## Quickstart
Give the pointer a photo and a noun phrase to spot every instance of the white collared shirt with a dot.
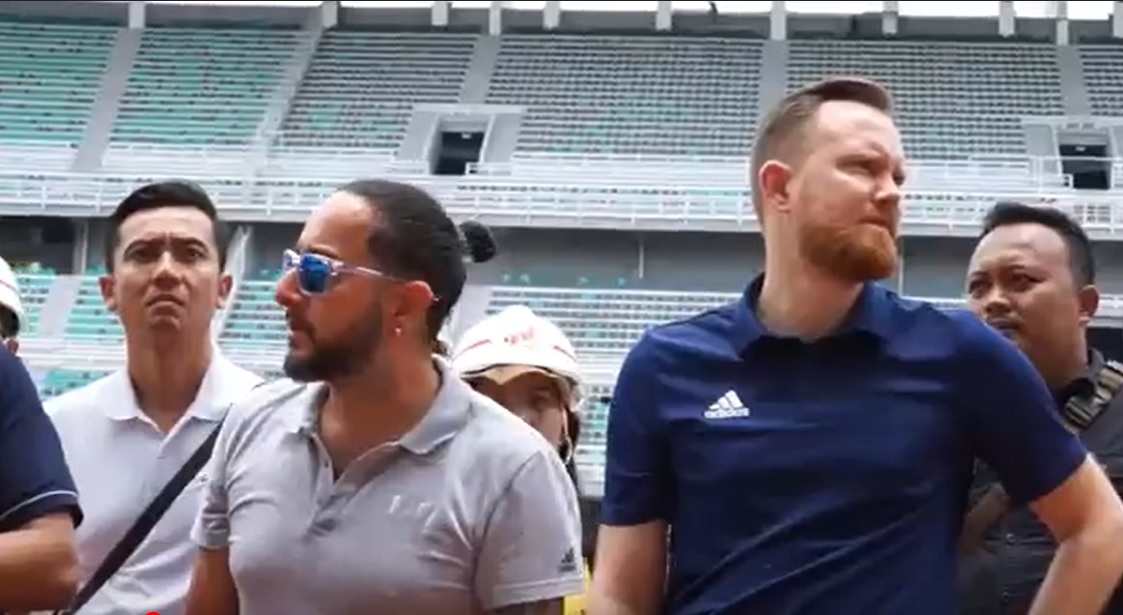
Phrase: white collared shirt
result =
(120, 461)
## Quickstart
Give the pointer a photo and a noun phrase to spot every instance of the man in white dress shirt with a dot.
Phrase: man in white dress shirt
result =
(127, 434)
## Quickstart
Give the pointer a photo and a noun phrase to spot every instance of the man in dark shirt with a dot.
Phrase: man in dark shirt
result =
(810, 446)
(38, 504)
(1032, 277)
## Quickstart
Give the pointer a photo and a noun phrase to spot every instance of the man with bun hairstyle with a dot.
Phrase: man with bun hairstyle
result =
(375, 480)
(528, 365)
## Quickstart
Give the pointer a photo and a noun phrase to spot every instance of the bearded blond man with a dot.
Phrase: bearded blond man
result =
(809, 447)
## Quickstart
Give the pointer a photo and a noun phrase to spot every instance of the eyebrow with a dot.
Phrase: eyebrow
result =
(318, 250)
(177, 240)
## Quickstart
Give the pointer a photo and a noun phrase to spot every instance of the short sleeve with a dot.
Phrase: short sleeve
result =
(34, 478)
(638, 481)
(1015, 424)
(212, 526)
(532, 545)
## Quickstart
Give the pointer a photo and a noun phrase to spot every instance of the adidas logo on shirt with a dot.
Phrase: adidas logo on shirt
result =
(568, 562)
(727, 407)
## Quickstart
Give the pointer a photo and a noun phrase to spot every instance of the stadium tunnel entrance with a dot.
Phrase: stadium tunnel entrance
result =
(456, 150)
(1088, 164)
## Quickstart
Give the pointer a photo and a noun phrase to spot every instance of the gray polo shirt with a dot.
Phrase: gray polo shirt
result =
(469, 512)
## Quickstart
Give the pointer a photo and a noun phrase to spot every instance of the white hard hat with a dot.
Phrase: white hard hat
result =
(9, 292)
(513, 342)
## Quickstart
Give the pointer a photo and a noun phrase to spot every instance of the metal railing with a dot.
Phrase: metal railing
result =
(545, 203)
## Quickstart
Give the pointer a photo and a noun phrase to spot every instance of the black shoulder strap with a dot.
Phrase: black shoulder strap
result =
(1081, 411)
(1078, 413)
(144, 524)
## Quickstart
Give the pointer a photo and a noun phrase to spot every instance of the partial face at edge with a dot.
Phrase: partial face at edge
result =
(534, 397)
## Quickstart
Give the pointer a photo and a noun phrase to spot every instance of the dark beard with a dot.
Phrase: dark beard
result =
(327, 362)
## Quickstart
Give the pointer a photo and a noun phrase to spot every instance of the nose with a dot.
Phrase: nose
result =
(167, 270)
(287, 292)
(888, 194)
(994, 302)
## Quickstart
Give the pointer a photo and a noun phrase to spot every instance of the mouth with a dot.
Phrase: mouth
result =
(1003, 326)
(297, 330)
(164, 300)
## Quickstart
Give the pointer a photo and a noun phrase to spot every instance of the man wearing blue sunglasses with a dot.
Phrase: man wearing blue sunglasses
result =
(376, 478)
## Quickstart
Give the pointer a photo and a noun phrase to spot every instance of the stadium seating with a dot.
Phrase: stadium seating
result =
(361, 87)
(630, 95)
(198, 88)
(254, 318)
(601, 322)
(1103, 78)
(594, 437)
(34, 288)
(59, 381)
(955, 100)
(89, 319)
(49, 77)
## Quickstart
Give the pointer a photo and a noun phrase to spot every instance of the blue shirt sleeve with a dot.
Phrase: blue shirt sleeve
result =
(34, 478)
(638, 479)
(1014, 421)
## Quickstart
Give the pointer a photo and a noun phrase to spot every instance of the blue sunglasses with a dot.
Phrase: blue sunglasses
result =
(316, 274)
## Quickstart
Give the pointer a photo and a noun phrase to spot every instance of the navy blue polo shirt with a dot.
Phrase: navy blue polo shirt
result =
(824, 478)
(34, 478)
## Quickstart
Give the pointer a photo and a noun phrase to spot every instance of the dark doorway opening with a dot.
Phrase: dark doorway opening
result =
(456, 151)
(1088, 165)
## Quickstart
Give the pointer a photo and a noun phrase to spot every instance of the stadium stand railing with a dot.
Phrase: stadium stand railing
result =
(603, 204)
(987, 172)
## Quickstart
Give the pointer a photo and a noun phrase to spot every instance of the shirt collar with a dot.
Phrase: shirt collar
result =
(869, 316)
(216, 393)
(445, 418)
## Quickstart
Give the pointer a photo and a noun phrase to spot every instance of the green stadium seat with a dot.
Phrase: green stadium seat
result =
(50, 75)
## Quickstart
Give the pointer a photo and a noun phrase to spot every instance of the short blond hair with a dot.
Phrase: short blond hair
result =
(785, 123)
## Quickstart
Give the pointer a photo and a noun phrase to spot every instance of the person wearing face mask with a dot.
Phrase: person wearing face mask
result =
(528, 365)
(12, 316)
(1033, 278)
